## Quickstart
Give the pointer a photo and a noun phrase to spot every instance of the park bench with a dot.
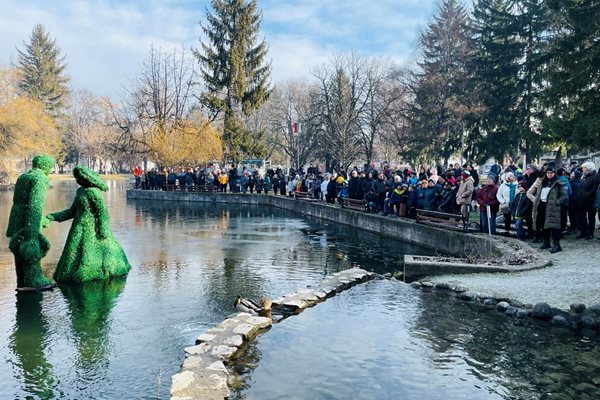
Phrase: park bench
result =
(354, 204)
(303, 195)
(202, 188)
(440, 219)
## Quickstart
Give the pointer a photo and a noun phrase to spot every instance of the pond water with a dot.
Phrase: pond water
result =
(385, 340)
(124, 338)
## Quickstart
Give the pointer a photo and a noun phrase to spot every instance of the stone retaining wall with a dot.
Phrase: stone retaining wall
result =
(204, 375)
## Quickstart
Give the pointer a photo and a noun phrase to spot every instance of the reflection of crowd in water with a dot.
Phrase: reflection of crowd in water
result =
(542, 203)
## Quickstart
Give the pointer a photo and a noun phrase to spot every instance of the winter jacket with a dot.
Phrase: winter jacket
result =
(486, 196)
(448, 203)
(430, 199)
(520, 206)
(367, 185)
(465, 191)
(506, 194)
(569, 190)
(556, 196)
(597, 205)
(575, 199)
(412, 200)
(589, 187)
(356, 189)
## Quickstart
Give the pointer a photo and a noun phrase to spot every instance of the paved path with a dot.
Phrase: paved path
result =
(573, 277)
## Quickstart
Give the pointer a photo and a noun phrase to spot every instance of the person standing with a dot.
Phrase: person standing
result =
(506, 195)
(587, 196)
(486, 196)
(465, 194)
(549, 197)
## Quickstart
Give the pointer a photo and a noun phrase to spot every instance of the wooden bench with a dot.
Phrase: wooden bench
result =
(303, 196)
(440, 219)
(202, 188)
(354, 204)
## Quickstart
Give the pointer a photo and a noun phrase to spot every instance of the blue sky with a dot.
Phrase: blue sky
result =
(105, 41)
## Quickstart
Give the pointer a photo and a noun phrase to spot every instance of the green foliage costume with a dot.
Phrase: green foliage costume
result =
(91, 251)
(27, 243)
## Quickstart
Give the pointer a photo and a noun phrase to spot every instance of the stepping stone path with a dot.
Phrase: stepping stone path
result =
(204, 374)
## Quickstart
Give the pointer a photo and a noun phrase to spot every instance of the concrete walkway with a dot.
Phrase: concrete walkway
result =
(573, 277)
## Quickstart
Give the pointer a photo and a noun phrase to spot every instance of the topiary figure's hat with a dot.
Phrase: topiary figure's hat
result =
(43, 162)
(89, 178)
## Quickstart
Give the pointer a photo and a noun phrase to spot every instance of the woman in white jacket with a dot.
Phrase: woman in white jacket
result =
(506, 194)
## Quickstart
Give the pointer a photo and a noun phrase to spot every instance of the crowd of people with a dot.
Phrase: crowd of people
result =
(544, 203)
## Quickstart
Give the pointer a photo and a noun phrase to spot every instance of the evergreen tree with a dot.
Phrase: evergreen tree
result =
(442, 102)
(42, 71)
(511, 42)
(234, 70)
(573, 73)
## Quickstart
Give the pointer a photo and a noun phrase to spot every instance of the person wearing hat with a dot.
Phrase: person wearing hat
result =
(91, 251)
(465, 193)
(549, 196)
(519, 208)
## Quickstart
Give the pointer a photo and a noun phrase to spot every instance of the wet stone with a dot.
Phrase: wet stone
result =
(588, 322)
(586, 387)
(502, 306)
(542, 311)
(443, 286)
(426, 285)
(559, 320)
(466, 296)
(489, 302)
(415, 285)
(182, 381)
(197, 350)
(511, 311)
(234, 341)
(205, 337)
(578, 308)
(523, 313)
(460, 289)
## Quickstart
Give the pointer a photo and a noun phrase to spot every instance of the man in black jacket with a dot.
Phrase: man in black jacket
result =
(587, 198)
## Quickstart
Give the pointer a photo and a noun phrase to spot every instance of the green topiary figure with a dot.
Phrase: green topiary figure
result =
(27, 243)
(91, 251)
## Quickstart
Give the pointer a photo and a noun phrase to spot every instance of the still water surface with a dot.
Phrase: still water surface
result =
(124, 339)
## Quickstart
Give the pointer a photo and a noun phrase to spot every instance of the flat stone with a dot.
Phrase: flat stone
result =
(223, 352)
(197, 350)
(502, 306)
(559, 320)
(466, 296)
(523, 313)
(234, 341)
(259, 322)
(489, 302)
(296, 303)
(181, 381)
(217, 366)
(426, 284)
(246, 330)
(415, 285)
(442, 286)
(460, 289)
(193, 362)
(205, 337)
(542, 311)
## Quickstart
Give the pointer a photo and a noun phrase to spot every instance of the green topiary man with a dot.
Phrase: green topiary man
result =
(27, 243)
(91, 251)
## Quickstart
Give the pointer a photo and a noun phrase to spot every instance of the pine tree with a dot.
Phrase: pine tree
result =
(573, 73)
(234, 70)
(42, 71)
(508, 65)
(441, 99)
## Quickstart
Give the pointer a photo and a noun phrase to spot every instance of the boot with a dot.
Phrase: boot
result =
(556, 236)
(536, 238)
(546, 244)
(556, 247)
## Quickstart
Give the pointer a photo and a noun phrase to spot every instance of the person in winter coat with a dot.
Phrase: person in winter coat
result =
(430, 196)
(574, 205)
(465, 193)
(519, 208)
(564, 208)
(370, 201)
(448, 201)
(587, 196)
(506, 194)
(331, 190)
(486, 196)
(355, 186)
(546, 208)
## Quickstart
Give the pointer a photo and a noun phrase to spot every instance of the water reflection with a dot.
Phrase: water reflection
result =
(28, 343)
(90, 305)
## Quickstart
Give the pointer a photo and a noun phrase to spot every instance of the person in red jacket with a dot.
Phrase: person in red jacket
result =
(486, 196)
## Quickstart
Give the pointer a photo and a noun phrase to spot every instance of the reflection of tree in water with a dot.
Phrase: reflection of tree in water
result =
(531, 361)
(28, 342)
(90, 306)
(242, 369)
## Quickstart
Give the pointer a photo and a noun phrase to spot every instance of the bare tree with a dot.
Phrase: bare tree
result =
(342, 96)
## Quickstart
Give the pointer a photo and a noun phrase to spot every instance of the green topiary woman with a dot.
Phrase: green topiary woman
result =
(91, 251)
(25, 224)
